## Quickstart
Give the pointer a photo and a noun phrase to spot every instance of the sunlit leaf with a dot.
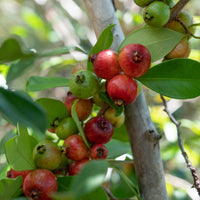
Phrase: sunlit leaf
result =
(176, 78)
(104, 42)
(159, 41)
(18, 150)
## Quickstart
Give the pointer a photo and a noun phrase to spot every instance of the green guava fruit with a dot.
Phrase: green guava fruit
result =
(55, 109)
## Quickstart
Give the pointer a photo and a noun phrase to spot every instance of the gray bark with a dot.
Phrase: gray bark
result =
(144, 138)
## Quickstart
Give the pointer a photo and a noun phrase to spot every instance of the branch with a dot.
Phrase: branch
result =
(189, 164)
(177, 9)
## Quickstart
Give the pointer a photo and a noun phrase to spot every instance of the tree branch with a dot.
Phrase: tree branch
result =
(142, 134)
(189, 164)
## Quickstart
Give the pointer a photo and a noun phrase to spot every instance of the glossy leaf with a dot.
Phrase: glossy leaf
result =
(18, 68)
(78, 123)
(13, 49)
(37, 83)
(18, 150)
(18, 107)
(90, 178)
(10, 187)
(104, 42)
(64, 183)
(159, 41)
(176, 78)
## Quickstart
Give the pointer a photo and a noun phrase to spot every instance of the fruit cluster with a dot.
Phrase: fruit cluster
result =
(157, 14)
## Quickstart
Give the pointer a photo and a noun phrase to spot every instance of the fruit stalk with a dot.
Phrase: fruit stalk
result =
(142, 133)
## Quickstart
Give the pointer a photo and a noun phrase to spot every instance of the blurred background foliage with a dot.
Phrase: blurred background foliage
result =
(43, 25)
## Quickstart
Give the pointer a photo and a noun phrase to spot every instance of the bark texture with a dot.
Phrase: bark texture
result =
(144, 139)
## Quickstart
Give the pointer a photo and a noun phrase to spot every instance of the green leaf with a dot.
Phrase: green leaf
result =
(13, 49)
(90, 178)
(19, 150)
(3, 170)
(60, 51)
(18, 107)
(106, 98)
(159, 41)
(17, 68)
(98, 194)
(37, 83)
(117, 148)
(64, 183)
(4, 139)
(121, 134)
(10, 187)
(78, 123)
(176, 78)
(104, 42)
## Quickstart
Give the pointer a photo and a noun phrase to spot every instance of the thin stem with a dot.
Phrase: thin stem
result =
(189, 164)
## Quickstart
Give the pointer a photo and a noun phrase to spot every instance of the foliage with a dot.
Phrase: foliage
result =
(177, 79)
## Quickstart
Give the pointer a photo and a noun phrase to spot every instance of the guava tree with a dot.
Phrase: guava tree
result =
(39, 123)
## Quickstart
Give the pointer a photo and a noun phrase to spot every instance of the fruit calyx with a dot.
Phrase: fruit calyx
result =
(137, 57)
(80, 78)
(100, 152)
(41, 149)
(119, 102)
(35, 194)
(93, 57)
(103, 124)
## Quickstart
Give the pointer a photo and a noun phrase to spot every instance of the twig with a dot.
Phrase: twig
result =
(187, 29)
(177, 9)
(189, 164)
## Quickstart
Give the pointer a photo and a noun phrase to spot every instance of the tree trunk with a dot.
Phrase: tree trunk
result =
(144, 139)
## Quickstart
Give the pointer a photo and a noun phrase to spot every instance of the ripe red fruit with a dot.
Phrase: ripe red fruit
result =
(40, 184)
(75, 148)
(84, 107)
(134, 59)
(99, 151)
(98, 130)
(76, 166)
(122, 89)
(13, 174)
(105, 64)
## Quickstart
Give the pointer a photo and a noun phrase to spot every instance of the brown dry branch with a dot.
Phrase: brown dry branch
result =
(189, 164)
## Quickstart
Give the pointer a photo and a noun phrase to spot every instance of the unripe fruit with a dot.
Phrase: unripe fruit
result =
(99, 151)
(143, 3)
(187, 19)
(116, 121)
(182, 50)
(96, 98)
(76, 166)
(66, 128)
(40, 184)
(84, 84)
(122, 89)
(55, 110)
(156, 14)
(98, 130)
(84, 107)
(134, 60)
(105, 64)
(47, 155)
(75, 148)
